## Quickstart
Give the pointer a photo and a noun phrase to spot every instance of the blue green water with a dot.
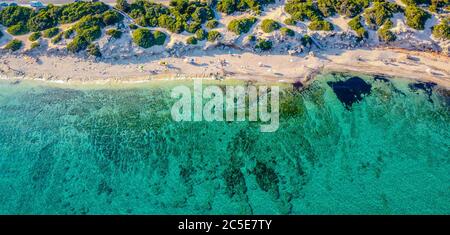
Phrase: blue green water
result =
(109, 150)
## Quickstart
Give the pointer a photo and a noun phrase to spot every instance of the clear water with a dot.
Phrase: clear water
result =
(108, 150)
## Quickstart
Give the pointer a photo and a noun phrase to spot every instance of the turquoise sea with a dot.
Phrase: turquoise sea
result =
(115, 150)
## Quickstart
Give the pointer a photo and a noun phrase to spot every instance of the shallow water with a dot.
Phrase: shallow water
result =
(105, 150)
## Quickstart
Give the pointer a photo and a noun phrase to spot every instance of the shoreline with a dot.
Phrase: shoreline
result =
(236, 65)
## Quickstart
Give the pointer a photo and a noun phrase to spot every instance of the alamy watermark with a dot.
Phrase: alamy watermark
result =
(239, 103)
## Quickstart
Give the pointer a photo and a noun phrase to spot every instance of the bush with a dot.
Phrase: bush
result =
(44, 19)
(201, 34)
(379, 13)
(77, 44)
(93, 50)
(306, 40)
(143, 38)
(320, 25)
(355, 24)
(57, 38)
(122, 5)
(13, 45)
(263, 44)
(287, 32)
(159, 37)
(173, 24)
(49, 33)
(75, 11)
(327, 7)
(226, 6)
(35, 45)
(114, 33)
(211, 24)
(202, 14)
(290, 21)
(213, 36)
(384, 33)
(240, 26)
(193, 27)
(18, 29)
(34, 36)
(68, 33)
(416, 17)
(111, 17)
(442, 30)
(133, 26)
(13, 15)
(91, 34)
(251, 38)
(302, 10)
(191, 40)
(269, 25)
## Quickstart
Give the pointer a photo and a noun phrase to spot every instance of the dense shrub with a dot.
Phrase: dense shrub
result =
(77, 44)
(287, 32)
(290, 21)
(51, 32)
(14, 45)
(111, 17)
(191, 40)
(122, 5)
(45, 18)
(379, 13)
(74, 11)
(327, 7)
(91, 34)
(213, 36)
(211, 24)
(143, 38)
(251, 38)
(230, 6)
(35, 45)
(306, 40)
(240, 26)
(18, 29)
(442, 30)
(263, 44)
(351, 8)
(302, 10)
(416, 17)
(193, 27)
(68, 33)
(94, 50)
(114, 33)
(384, 33)
(133, 26)
(159, 37)
(355, 24)
(201, 14)
(57, 38)
(174, 25)
(34, 36)
(201, 34)
(269, 25)
(320, 25)
(12, 15)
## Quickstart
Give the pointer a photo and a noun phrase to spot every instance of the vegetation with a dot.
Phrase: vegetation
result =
(287, 32)
(18, 29)
(320, 25)
(213, 36)
(384, 33)
(201, 34)
(442, 30)
(93, 50)
(143, 38)
(1, 34)
(77, 44)
(191, 40)
(114, 33)
(416, 17)
(355, 24)
(14, 45)
(51, 32)
(211, 24)
(111, 17)
(269, 25)
(240, 26)
(57, 38)
(68, 33)
(35, 45)
(290, 21)
(231, 6)
(263, 44)
(306, 40)
(159, 37)
(34, 36)
(379, 13)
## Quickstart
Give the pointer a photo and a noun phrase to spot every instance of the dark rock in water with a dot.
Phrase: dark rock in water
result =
(297, 85)
(266, 178)
(351, 90)
(380, 78)
(427, 87)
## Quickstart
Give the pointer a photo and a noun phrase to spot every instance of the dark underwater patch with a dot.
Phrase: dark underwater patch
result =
(297, 85)
(350, 91)
(266, 178)
(426, 87)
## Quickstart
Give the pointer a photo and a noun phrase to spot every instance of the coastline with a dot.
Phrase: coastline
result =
(238, 65)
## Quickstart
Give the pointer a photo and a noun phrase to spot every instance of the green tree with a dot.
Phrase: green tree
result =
(269, 25)
(143, 38)
(14, 45)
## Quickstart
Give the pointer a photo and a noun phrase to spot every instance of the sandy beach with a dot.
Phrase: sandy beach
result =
(233, 64)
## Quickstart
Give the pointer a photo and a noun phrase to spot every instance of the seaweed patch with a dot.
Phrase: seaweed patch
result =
(350, 91)
(426, 87)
